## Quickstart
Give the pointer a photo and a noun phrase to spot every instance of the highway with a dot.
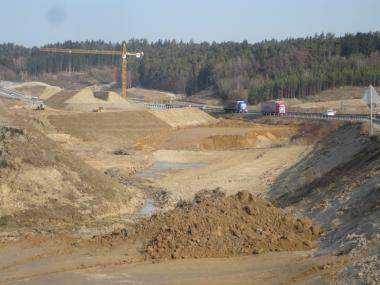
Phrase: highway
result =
(296, 115)
(11, 94)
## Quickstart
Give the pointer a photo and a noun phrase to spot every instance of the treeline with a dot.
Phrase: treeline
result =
(293, 68)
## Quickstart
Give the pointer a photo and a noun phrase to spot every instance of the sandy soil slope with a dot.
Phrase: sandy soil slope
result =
(344, 100)
(36, 89)
(88, 99)
(338, 185)
(184, 117)
(44, 187)
(99, 160)
(150, 95)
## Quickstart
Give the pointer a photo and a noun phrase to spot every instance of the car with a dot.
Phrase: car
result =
(329, 113)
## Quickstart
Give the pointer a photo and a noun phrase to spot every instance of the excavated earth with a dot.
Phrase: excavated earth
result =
(63, 173)
(45, 188)
(223, 227)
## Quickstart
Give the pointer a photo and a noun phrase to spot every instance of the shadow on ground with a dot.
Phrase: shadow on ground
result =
(338, 185)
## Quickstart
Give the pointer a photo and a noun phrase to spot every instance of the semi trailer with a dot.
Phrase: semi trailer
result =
(232, 106)
(273, 107)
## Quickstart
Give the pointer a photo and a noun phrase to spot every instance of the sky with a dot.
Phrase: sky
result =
(39, 22)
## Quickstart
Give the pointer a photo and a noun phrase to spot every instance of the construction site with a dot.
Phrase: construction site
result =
(98, 189)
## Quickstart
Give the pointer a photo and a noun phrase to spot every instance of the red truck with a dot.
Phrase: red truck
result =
(273, 107)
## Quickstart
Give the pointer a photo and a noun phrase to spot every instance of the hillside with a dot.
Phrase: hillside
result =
(293, 68)
(338, 186)
(44, 186)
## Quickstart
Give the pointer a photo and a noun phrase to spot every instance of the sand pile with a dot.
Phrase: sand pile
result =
(88, 100)
(150, 95)
(37, 89)
(220, 227)
(42, 185)
(184, 117)
(58, 101)
(86, 95)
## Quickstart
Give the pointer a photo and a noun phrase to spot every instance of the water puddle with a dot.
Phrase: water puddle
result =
(148, 207)
(160, 166)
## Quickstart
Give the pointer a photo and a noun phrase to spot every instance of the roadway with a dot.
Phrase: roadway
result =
(14, 95)
(11, 94)
(296, 115)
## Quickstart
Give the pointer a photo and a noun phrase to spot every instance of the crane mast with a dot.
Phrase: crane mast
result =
(123, 54)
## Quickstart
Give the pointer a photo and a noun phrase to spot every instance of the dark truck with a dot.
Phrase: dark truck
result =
(233, 106)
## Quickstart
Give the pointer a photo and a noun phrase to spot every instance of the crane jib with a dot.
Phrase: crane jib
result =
(124, 53)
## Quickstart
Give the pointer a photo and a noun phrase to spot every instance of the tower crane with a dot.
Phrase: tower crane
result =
(123, 53)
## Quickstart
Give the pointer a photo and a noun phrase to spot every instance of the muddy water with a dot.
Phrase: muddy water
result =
(155, 171)
(148, 207)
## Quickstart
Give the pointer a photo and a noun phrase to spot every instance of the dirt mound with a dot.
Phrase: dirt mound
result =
(150, 95)
(223, 137)
(220, 227)
(249, 140)
(184, 117)
(43, 186)
(88, 99)
(58, 101)
(37, 89)
(88, 95)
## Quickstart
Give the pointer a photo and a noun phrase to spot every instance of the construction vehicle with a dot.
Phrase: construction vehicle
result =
(98, 110)
(123, 53)
(39, 107)
(233, 106)
(273, 107)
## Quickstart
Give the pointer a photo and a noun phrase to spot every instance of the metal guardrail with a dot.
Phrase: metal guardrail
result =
(299, 115)
(157, 106)
(319, 116)
(15, 95)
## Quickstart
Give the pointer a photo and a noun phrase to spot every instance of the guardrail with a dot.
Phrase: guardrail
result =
(319, 116)
(299, 115)
(15, 95)
(156, 106)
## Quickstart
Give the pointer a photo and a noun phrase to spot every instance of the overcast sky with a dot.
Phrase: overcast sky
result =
(38, 22)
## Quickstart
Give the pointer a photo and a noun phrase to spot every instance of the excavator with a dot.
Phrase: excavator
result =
(39, 107)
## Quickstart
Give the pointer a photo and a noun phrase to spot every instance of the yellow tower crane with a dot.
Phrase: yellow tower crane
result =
(123, 53)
